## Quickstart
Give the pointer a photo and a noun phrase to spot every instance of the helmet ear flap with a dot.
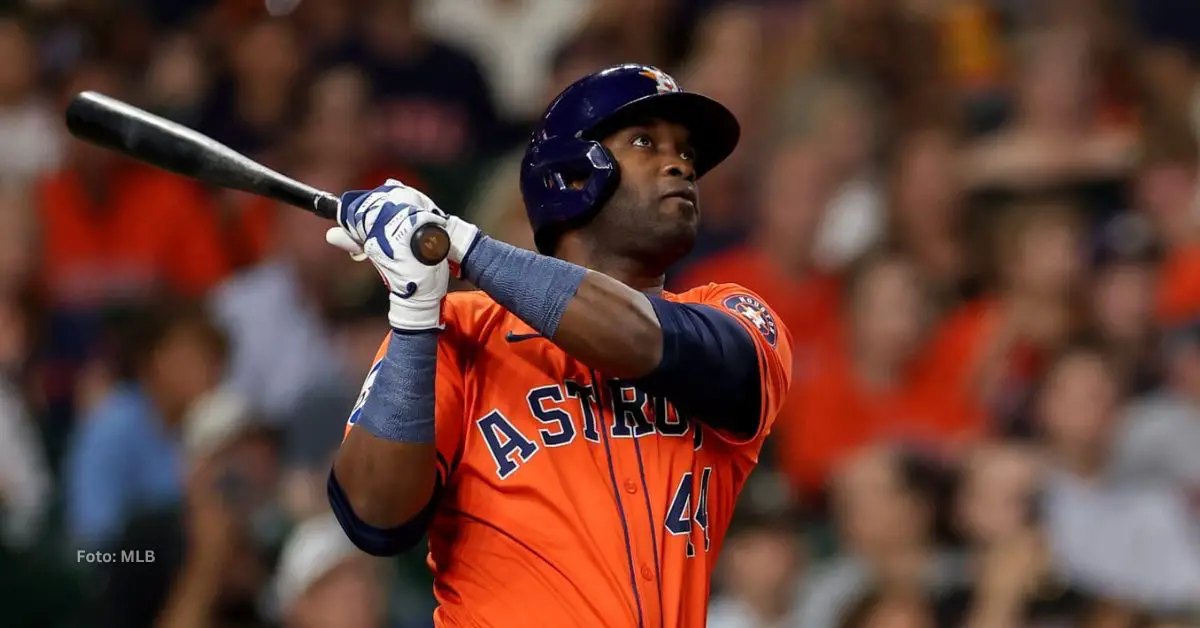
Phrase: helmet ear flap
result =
(564, 181)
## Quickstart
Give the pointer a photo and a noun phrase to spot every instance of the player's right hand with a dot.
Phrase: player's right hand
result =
(378, 225)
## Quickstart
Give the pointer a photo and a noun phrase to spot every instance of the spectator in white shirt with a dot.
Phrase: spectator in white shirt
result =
(1130, 543)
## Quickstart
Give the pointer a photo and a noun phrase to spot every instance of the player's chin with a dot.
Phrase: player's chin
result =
(680, 224)
(681, 209)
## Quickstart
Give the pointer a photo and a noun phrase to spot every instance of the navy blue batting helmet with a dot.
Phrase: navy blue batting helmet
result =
(565, 147)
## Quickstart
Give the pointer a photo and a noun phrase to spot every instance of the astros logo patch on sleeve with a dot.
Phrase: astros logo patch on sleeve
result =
(754, 311)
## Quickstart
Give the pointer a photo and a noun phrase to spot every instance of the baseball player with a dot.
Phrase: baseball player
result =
(572, 437)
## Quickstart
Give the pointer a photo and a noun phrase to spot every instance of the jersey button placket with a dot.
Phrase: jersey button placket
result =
(631, 487)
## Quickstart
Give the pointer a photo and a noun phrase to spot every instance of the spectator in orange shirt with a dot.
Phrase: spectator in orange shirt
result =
(870, 389)
(1167, 192)
(776, 261)
(987, 355)
(925, 210)
(113, 229)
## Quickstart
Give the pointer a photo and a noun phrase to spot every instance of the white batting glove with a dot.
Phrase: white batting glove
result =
(378, 225)
(462, 236)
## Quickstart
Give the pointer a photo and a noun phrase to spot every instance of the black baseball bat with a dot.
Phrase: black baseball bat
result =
(136, 133)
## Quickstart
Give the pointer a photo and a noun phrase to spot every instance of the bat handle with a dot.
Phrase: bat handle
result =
(430, 243)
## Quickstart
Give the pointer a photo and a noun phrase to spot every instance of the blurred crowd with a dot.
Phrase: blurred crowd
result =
(978, 218)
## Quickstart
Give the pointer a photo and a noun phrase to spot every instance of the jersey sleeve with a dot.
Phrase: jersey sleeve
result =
(773, 348)
(448, 399)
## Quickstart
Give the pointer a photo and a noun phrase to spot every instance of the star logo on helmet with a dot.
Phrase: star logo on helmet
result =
(662, 80)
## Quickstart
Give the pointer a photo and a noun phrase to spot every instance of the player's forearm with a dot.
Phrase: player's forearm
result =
(594, 318)
(611, 327)
(384, 472)
(386, 483)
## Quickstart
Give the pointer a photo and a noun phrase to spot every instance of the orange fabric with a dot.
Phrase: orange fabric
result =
(554, 512)
(956, 357)
(256, 219)
(835, 413)
(973, 52)
(1179, 286)
(155, 228)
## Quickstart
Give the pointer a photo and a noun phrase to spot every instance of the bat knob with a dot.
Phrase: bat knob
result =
(430, 244)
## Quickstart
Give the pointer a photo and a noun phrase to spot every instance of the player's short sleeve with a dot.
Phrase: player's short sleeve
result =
(448, 399)
(773, 348)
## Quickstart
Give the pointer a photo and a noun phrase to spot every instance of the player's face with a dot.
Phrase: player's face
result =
(656, 209)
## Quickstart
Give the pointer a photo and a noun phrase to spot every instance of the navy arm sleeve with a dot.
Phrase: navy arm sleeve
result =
(380, 541)
(709, 367)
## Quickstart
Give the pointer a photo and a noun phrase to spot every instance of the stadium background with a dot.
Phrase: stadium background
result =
(978, 218)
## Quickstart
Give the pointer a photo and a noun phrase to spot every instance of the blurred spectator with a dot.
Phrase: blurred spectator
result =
(885, 504)
(641, 29)
(511, 41)
(895, 48)
(997, 514)
(997, 493)
(18, 239)
(902, 610)
(335, 124)
(1167, 193)
(177, 80)
(211, 552)
(1056, 136)
(925, 210)
(251, 106)
(99, 242)
(325, 582)
(274, 312)
(325, 27)
(1122, 306)
(762, 560)
(988, 354)
(1169, 80)
(835, 114)
(28, 132)
(872, 383)
(26, 488)
(436, 111)
(125, 454)
(1132, 543)
(1161, 431)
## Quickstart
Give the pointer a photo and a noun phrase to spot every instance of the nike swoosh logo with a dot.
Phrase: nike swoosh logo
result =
(511, 337)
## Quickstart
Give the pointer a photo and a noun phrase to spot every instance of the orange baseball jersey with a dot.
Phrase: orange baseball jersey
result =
(572, 499)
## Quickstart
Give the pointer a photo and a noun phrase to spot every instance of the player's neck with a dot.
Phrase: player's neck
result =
(633, 273)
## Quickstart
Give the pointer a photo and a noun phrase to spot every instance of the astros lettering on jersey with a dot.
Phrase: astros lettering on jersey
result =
(571, 499)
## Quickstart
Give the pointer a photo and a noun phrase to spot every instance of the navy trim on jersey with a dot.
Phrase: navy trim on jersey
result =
(380, 541)
(612, 475)
(709, 367)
